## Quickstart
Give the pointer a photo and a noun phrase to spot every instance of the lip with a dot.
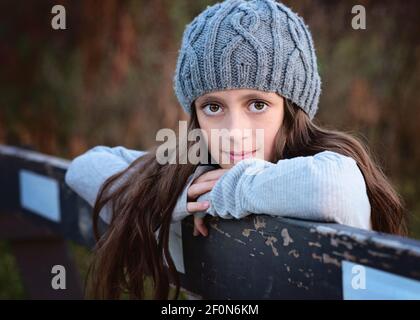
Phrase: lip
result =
(241, 155)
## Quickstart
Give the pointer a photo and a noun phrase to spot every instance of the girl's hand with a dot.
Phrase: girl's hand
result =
(201, 185)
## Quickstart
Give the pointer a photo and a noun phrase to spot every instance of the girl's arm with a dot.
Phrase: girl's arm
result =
(88, 172)
(325, 187)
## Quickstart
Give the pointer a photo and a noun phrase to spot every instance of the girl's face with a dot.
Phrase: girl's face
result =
(237, 118)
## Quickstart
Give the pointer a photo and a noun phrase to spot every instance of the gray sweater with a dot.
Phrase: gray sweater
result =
(325, 187)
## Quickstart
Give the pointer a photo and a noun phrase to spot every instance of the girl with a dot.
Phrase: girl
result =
(242, 65)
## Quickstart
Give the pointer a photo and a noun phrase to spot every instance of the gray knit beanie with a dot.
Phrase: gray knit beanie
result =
(255, 44)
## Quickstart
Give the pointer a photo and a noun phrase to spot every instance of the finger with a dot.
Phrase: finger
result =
(195, 232)
(197, 189)
(211, 175)
(197, 206)
(201, 227)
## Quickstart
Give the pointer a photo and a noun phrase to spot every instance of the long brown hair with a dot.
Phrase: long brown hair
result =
(142, 198)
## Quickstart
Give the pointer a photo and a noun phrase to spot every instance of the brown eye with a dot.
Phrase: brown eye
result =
(214, 107)
(258, 106)
(211, 109)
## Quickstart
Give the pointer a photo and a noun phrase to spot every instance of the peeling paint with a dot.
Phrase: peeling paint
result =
(294, 252)
(328, 259)
(382, 255)
(345, 255)
(335, 242)
(215, 227)
(316, 257)
(398, 245)
(298, 284)
(286, 237)
(270, 242)
(240, 241)
(247, 232)
(259, 223)
(314, 244)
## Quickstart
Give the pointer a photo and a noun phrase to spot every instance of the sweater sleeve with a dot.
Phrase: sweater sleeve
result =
(88, 172)
(325, 187)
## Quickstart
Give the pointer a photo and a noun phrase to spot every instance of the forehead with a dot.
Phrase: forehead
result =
(238, 94)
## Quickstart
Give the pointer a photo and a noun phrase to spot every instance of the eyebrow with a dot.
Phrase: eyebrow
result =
(245, 97)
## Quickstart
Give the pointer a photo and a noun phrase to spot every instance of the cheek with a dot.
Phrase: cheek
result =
(269, 143)
(206, 130)
(271, 130)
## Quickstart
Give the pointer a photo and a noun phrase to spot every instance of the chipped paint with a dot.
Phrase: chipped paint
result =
(215, 227)
(381, 243)
(335, 242)
(365, 261)
(240, 241)
(316, 257)
(345, 255)
(294, 253)
(314, 244)
(287, 239)
(298, 284)
(381, 254)
(326, 258)
(259, 223)
(247, 232)
(270, 242)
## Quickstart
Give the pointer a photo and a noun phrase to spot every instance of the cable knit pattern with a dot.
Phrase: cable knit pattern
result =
(254, 44)
(324, 187)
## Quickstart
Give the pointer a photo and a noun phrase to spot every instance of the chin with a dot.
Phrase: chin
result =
(226, 165)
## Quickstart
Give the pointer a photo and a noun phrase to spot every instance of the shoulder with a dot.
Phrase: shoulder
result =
(328, 155)
(346, 164)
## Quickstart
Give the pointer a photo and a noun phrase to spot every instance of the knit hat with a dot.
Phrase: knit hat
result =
(256, 44)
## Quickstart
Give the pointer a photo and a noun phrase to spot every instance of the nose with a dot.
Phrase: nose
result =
(240, 130)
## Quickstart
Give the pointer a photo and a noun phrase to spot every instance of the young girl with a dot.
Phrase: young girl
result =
(242, 65)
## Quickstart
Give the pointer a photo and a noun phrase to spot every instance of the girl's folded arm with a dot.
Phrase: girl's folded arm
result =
(325, 187)
(88, 171)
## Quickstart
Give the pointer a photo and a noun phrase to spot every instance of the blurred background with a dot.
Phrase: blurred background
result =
(107, 79)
